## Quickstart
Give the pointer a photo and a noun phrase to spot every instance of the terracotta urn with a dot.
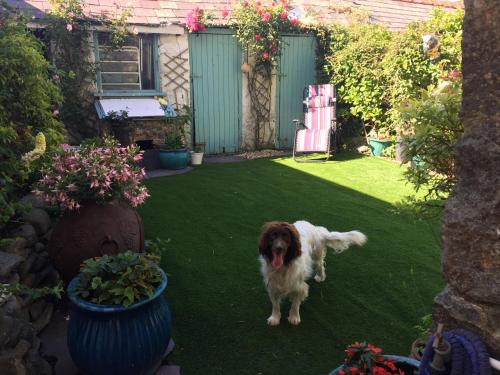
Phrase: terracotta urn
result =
(94, 230)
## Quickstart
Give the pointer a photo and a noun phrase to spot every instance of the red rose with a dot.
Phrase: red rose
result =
(283, 15)
(353, 370)
(294, 21)
(266, 17)
(225, 13)
(258, 38)
(265, 56)
(341, 372)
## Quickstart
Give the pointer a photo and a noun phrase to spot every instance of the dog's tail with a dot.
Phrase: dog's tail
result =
(340, 241)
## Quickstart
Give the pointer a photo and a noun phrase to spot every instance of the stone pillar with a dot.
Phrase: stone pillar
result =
(471, 223)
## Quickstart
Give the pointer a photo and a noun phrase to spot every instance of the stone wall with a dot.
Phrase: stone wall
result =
(471, 224)
(25, 260)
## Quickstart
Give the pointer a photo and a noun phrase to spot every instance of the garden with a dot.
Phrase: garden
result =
(133, 262)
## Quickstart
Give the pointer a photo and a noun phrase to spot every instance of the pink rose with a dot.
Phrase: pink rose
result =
(266, 17)
(258, 38)
(283, 15)
(69, 27)
(225, 13)
(294, 21)
(265, 56)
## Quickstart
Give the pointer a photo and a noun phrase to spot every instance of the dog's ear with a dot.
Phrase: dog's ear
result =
(264, 243)
(295, 249)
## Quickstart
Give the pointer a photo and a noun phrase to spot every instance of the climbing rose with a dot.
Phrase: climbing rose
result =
(266, 17)
(69, 27)
(258, 38)
(265, 56)
(294, 21)
(225, 13)
(283, 15)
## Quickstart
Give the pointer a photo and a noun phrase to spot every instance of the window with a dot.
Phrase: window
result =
(130, 70)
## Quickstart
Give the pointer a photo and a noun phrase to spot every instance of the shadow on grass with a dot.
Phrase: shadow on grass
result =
(213, 217)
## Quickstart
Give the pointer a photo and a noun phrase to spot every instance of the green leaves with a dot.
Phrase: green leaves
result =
(121, 279)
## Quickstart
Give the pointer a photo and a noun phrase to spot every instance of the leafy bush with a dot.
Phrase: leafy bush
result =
(94, 173)
(376, 71)
(121, 279)
(28, 99)
(436, 127)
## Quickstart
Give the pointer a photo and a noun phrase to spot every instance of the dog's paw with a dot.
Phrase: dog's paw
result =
(319, 279)
(273, 320)
(294, 319)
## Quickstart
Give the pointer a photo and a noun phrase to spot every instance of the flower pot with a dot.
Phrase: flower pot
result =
(378, 145)
(196, 158)
(174, 159)
(112, 339)
(94, 230)
(408, 365)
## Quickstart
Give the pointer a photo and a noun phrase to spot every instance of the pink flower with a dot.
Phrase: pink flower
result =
(69, 27)
(225, 13)
(71, 14)
(294, 21)
(55, 77)
(266, 17)
(283, 15)
(55, 112)
(258, 37)
(265, 56)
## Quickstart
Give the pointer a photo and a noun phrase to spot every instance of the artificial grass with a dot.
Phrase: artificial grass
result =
(219, 304)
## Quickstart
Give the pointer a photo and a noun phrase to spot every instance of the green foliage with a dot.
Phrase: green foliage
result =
(423, 328)
(121, 279)
(376, 71)
(177, 138)
(28, 98)
(436, 127)
(34, 293)
(157, 247)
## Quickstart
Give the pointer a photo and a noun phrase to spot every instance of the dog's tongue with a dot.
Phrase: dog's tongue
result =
(277, 261)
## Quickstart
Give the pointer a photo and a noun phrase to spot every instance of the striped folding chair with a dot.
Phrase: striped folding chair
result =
(320, 121)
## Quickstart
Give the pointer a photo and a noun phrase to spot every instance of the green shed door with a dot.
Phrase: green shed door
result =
(215, 60)
(297, 69)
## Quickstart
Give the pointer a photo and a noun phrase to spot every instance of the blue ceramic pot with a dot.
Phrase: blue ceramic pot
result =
(408, 365)
(174, 159)
(112, 339)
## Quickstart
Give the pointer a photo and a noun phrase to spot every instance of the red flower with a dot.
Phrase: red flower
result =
(341, 372)
(225, 13)
(265, 56)
(201, 27)
(258, 38)
(353, 370)
(266, 17)
(283, 15)
(285, 6)
(258, 3)
(294, 21)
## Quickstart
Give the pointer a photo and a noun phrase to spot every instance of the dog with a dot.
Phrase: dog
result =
(289, 254)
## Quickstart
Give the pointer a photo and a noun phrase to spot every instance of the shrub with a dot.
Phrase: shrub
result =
(121, 279)
(94, 173)
(28, 101)
(436, 127)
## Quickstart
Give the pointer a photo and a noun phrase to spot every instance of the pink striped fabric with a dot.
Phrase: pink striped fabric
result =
(320, 102)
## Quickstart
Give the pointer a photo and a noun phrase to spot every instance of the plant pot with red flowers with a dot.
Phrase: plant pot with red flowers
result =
(97, 188)
(366, 359)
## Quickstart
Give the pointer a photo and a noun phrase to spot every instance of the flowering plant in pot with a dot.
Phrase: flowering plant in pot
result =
(173, 153)
(366, 359)
(259, 25)
(97, 187)
(120, 323)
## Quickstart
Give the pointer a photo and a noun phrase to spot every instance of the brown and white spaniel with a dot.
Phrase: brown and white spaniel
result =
(289, 254)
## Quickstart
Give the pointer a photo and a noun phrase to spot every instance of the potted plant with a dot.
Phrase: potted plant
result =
(378, 140)
(173, 153)
(97, 187)
(423, 331)
(197, 154)
(120, 322)
(366, 359)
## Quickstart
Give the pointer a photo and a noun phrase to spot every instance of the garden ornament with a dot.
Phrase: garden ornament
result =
(167, 108)
(431, 46)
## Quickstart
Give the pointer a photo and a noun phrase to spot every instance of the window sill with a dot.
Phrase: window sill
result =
(128, 94)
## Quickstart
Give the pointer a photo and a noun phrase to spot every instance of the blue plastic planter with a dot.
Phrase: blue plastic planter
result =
(174, 159)
(408, 365)
(116, 340)
(378, 145)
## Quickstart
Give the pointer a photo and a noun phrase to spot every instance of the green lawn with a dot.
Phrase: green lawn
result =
(219, 304)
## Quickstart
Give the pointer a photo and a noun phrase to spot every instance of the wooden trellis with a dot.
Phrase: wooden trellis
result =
(176, 75)
(260, 96)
